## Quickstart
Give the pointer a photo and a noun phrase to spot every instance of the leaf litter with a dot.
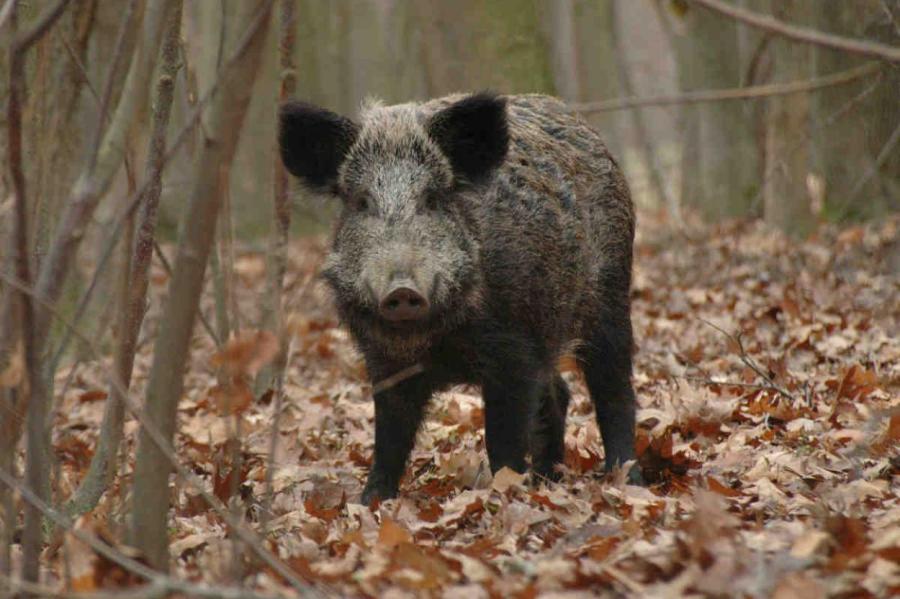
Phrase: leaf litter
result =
(768, 379)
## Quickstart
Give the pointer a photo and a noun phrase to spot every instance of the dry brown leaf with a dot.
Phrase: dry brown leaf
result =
(247, 353)
(798, 585)
(232, 397)
(506, 479)
(392, 534)
(326, 500)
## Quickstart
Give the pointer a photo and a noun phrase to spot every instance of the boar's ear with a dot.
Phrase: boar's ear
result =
(314, 142)
(473, 133)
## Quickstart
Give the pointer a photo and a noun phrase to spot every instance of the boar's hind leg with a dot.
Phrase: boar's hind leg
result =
(398, 414)
(606, 361)
(511, 388)
(548, 442)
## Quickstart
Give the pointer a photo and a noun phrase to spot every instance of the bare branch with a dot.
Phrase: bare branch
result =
(736, 93)
(44, 22)
(802, 34)
(397, 378)
(750, 362)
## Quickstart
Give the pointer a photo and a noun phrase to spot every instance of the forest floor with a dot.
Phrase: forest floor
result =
(768, 379)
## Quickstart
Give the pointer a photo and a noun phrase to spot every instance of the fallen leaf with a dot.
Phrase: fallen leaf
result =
(247, 353)
(392, 534)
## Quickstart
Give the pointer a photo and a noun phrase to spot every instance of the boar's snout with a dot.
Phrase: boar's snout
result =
(403, 302)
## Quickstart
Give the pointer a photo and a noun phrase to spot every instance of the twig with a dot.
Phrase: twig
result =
(274, 432)
(749, 362)
(734, 93)
(802, 34)
(166, 381)
(134, 407)
(397, 378)
(713, 382)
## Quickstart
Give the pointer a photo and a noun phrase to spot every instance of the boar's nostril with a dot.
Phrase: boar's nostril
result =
(403, 303)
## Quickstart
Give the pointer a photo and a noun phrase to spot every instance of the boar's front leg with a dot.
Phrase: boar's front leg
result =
(398, 414)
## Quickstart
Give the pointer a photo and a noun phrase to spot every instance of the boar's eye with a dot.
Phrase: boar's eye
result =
(434, 201)
(360, 203)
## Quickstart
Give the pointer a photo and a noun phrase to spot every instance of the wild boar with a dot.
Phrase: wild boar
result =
(481, 237)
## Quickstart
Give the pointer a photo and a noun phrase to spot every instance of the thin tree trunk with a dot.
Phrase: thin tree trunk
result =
(564, 49)
(786, 202)
(56, 143)
(36, 471)
(273, 317)
(719, 176)
(222, 123)
(650, 158)
(134, 283)
(12, 410)
(597, 72)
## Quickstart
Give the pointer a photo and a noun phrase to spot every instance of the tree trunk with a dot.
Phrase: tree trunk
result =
(719, 173)
(597, 73)
(37, 477)
(273, 317)
(786, 200)
(221, 126)
(645, 147)
(562, 39)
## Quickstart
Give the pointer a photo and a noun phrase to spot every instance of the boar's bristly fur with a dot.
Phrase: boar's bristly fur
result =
(481, 237)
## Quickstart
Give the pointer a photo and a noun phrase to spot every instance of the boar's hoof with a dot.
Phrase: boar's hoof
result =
(376, 490)
(547, 473)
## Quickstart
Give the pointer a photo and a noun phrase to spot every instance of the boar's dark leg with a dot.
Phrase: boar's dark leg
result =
(398, 414)
(507, 408)
(513, 376)
(548, 442)
(606, 361)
